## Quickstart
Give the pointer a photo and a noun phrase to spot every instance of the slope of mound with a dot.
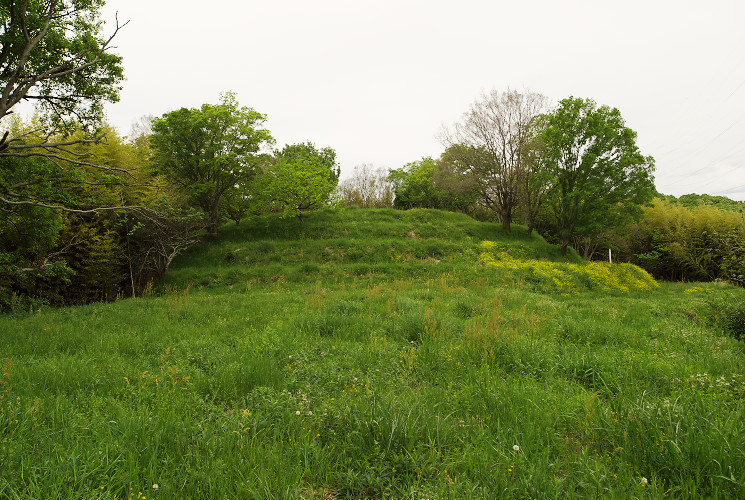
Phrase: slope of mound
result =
(390, 244)
(379, 354)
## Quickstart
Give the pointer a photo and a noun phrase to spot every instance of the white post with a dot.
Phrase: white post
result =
(610, 256)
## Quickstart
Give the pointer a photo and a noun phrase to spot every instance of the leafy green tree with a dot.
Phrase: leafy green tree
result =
(301, 178)
(53, 53)
(693, 200)
(429, 183)
(210, 151)
(325, 156)
(534, 180)
(78, 255)
(599, 177)
(414, 185)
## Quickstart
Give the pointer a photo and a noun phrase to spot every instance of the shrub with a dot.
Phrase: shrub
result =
(565, 277)
(732, 320)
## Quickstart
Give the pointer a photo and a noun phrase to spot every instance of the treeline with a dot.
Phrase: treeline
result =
(690, 238)
(680, 240)
(110, 223)
(88, 215)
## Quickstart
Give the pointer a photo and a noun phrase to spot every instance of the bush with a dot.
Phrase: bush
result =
(734, 320)
(728, 314)
(567, 278)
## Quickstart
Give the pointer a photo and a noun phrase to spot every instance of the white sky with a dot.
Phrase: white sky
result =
(376, 80)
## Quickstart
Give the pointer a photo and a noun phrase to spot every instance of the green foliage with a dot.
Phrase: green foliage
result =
(564, 277)
(81, 254)
(698, 243)
(210, 151)
(414, 186)
(694, 200)
(299, 179)
(54, 52)
(732, 319)
(496, 147)
(292, 153)
(601, 179)
(428, 184)
(733, 255)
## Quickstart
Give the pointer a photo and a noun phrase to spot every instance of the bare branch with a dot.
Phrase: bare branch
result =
(34, 203)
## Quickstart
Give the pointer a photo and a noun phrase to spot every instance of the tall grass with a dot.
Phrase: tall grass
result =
(318, 364)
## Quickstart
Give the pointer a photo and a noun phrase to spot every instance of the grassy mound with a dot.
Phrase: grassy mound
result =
(351, 243)
(379, 354)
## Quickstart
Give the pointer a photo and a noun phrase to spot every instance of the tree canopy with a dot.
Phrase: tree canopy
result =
(300, 178)
(429, 183)
(211, 151)
(497, 134)
(599, 177)
(53, 54)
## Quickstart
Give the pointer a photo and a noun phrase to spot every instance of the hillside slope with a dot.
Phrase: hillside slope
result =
(379, 354)
(387, 244)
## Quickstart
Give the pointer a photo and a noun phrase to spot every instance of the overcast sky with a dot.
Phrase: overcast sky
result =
(377, 80)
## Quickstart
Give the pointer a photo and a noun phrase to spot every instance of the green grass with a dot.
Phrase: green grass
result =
(375, 354)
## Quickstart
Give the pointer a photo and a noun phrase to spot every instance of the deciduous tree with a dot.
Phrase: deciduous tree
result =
(53, 54)
(210, 151)
(599, 177)
(298, 180)
(368, 187)
(501, 127)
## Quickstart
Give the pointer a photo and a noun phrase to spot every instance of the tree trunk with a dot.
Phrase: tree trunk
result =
(214, 221)
(506, 219)
(564, 245)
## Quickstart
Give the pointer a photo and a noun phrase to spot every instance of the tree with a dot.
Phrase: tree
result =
(72, 257)
(368, 187)
(599, 177)
(54, 55)
(300, 178)
(325, 156)
(414, 186)
(535, 179)
(210, 151)
(501, 128)
(429, 183)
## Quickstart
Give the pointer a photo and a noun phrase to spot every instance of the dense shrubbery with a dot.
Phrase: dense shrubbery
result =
(81, 253)
(700, 243)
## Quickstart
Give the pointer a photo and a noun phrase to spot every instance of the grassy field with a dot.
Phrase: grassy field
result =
(379, 354)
